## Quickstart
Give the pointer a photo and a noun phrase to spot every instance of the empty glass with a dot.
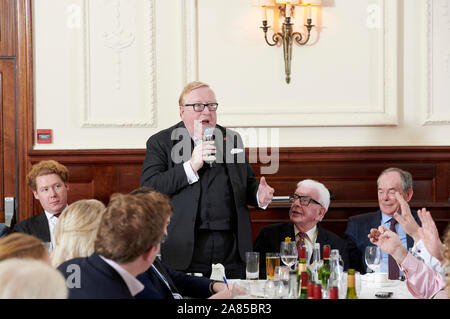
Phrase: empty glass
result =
(252, 268)
(373, 258)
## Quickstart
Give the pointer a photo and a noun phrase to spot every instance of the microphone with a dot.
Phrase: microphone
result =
(208, 136)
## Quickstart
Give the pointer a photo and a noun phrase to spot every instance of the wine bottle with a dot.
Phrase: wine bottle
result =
(302, 266)
(304, 285)
(324, 270)
(351, 291)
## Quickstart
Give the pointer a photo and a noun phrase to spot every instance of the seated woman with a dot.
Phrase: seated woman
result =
(422, 281)
(21, 245)
(76, 230)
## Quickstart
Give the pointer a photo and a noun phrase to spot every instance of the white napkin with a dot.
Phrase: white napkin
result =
(218, 272)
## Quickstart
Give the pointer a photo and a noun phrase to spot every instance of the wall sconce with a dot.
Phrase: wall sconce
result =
(286, 9)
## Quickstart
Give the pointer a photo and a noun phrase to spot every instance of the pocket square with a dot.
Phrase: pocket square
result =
(236, 150)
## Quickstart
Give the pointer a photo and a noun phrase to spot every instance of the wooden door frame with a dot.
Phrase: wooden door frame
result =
(24, 104)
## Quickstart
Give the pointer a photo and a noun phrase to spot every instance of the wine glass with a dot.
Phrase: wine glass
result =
(288, 253)
(373, 258)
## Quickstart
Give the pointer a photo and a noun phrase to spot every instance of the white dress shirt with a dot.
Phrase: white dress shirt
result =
(52, 220)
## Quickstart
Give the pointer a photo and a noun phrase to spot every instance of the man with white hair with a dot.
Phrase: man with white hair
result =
(310, 202)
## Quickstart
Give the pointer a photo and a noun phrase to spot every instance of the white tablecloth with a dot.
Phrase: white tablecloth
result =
(367, 290)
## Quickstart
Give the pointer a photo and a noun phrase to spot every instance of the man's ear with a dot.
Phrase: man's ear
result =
(409, 195)
(322, 213)
(36, 195)
(67, 186)
(181, 112)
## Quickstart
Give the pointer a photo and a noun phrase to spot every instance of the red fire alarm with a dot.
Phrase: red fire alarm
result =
(44, 136)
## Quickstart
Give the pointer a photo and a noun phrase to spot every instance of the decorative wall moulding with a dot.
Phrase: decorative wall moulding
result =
(119, 69)
(436, 80)
(381, 110)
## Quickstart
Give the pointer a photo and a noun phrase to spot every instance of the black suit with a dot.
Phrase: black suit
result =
(98, 280)
(36, 226)
(270, 237)
(162, 173)
(179, 282)
(358, 228)
(4, 230)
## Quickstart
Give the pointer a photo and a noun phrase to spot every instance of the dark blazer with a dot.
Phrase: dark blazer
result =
(185, 285)
(270, 237)
(162, 173)
(358, 228)
(4, 230)
(97, 279)
(36, 226)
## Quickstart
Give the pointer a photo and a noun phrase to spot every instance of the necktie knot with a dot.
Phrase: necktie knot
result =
(57, 215)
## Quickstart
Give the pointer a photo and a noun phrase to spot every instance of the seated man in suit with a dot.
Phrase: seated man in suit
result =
(128, 240)
(48, 181)
(309, 205)
(164, 282)
(389, 182)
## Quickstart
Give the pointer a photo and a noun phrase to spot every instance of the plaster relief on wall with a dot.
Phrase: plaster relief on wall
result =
(119, 69)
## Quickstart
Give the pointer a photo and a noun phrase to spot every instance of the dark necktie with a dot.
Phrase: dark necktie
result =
(301, 240)
(393, 267)
(57, 215)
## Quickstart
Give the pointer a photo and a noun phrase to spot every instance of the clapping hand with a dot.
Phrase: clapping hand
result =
(406, 219)
(389, 242)
(430, 235)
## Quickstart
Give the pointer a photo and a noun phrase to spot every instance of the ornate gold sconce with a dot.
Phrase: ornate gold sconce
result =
(286, 9)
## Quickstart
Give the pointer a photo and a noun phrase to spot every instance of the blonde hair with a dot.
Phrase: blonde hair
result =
(188, 88)
(30, 279)
(46, 168)
(21, 245)
(76, 230)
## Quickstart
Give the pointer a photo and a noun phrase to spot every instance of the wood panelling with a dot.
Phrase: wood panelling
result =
(7, 28)
(350, 173)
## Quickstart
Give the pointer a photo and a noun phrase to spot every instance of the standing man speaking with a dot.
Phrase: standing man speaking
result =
(210, 183)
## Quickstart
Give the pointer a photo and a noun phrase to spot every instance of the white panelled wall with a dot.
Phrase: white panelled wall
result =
(108, 73)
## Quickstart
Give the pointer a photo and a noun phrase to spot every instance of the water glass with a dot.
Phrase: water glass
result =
(252, 268)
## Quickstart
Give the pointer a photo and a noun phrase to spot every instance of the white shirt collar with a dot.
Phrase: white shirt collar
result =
(134, 285)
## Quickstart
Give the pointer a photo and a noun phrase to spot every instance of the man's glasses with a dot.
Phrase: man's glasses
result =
(199, 107)
(304, 200)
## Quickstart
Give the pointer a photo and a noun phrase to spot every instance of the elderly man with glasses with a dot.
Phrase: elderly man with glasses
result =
(310, 202)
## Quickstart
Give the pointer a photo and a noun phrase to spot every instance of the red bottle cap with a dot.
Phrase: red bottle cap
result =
(326, 251)
(302, 252)
(334, 293)
(317, 291)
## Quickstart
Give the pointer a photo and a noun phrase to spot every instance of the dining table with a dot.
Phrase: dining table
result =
(366, 288)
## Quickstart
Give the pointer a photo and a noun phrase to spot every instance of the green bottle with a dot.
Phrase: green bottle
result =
(304, 285)
(324, 270)
(351, 291)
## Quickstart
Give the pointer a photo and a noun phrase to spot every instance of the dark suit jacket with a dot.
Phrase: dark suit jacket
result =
(270, 237)
(98, 280)
(36, 226)
(358, 227)
(162, 173)
(3, 230)
(185, 285)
